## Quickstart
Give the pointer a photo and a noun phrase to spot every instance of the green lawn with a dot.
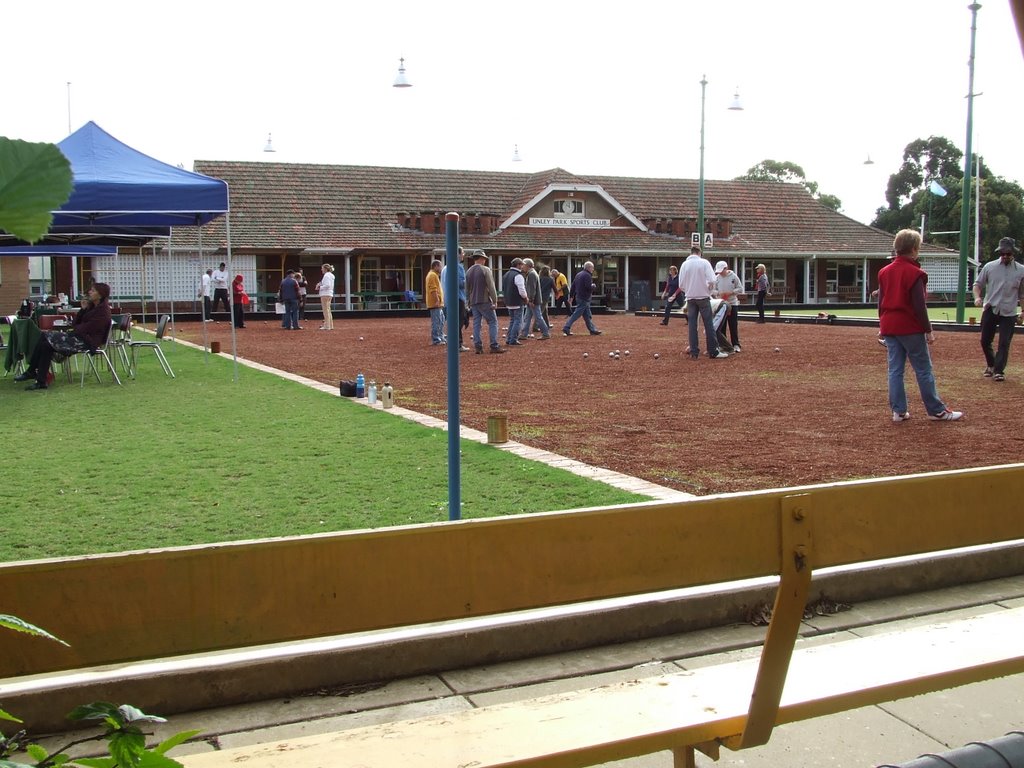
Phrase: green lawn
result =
(202, 458)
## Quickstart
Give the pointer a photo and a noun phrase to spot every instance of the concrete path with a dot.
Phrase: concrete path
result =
(890, 733)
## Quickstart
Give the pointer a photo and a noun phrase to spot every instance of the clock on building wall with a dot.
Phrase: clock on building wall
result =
(568, 206)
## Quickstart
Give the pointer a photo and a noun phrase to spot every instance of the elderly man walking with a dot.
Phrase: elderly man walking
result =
(581, 293)
(483, 298)
(1002, 280)
(514, 290)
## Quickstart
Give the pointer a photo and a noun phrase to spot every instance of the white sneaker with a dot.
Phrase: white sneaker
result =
(721, 355)
(946, 415)
(736, 348)
(898, 417)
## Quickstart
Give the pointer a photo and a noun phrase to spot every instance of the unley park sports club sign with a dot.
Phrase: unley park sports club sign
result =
(537, 221)
(570, 223)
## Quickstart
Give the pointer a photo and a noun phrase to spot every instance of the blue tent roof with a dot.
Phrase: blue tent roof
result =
(58, 250)
(117, 186)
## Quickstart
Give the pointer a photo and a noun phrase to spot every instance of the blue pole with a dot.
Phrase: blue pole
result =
(451, 307)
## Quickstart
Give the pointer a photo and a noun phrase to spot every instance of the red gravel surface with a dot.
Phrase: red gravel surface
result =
(802, 403)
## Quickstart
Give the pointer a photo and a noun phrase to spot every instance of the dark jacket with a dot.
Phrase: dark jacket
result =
(582, 287)
(92, 324)
(512, 296)
(289, 290)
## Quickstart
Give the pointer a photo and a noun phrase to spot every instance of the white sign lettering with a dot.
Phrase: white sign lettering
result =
(586, 223)
(709, 239)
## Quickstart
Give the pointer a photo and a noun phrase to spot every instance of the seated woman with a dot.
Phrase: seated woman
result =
(90, 328)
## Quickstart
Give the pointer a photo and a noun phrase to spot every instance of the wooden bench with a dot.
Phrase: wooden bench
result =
(241, 595)
(387, 300)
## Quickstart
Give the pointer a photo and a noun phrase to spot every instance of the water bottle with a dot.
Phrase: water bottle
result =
(360, 386)
(387, 396)
(371, 393)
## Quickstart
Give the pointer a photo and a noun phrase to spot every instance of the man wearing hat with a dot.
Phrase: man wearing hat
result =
(729, 288)
(1002, 281)
(483, 298)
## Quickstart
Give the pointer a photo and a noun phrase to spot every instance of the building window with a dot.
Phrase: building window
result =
(568, 207)
(778, 276)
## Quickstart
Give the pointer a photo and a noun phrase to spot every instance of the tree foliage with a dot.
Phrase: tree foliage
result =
(35, 179)
(909, 197)
(786, 172)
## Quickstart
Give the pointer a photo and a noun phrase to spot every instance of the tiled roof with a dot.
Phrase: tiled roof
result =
(283, 206)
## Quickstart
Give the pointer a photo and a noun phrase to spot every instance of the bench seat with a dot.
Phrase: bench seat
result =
(639, 717)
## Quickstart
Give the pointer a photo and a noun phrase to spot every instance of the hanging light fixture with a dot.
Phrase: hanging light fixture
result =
(270, 145)
(401, 81)
(515, 156)
(869, 161)
(735, 104)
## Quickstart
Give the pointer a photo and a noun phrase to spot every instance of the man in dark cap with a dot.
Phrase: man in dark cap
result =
(483, 298)
(1002, 281)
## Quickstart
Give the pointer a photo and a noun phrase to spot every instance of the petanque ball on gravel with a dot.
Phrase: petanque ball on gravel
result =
(656, 355)
(777, 349)
(585, 355)
(626, 353)
(611, 354)
(360, 338)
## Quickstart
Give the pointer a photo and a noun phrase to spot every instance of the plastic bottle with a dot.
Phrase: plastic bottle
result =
(371, 392)
(360, 386)
(387, 396)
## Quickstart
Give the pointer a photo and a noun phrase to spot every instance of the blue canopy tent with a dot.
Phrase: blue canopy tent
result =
(122, 196)
(117, 186)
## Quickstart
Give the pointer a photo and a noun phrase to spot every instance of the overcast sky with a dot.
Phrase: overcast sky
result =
(592, 87)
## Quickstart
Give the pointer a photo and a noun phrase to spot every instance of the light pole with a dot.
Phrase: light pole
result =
(700, 184)
(965, 196)
(735, 106)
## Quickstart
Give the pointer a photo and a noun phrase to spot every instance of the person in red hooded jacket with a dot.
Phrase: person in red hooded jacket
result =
(239, 298)
(904, 326)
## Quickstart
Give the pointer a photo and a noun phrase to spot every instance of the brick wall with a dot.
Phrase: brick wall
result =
(13, 283)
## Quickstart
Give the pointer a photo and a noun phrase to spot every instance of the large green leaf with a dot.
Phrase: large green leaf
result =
(35, 179)
(19, 625)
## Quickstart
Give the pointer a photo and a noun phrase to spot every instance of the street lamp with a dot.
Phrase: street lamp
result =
(735, 106)
(401, 81)
(965, 196)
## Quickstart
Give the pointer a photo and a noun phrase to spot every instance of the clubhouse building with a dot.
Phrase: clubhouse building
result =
(380, 227)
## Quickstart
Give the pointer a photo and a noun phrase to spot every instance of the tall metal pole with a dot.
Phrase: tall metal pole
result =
(965, 197)
(69, 107)
(700, 186)
(451, 303)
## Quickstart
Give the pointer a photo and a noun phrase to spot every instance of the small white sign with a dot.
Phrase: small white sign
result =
(709, 239)
(552, 222)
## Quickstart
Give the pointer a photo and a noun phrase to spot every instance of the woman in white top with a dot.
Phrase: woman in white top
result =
(326, 289)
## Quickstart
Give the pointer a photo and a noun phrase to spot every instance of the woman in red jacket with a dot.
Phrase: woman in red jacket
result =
(239, 298)
(904, 325)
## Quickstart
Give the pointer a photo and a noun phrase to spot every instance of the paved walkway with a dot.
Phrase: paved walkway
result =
(889, 733)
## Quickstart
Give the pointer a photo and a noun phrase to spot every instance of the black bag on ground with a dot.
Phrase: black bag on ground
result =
(348, 388)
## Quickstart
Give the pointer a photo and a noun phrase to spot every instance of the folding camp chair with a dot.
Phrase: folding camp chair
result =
(135, 346)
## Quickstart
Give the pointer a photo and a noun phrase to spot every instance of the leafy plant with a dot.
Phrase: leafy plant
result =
(35, 179)
(126, 741)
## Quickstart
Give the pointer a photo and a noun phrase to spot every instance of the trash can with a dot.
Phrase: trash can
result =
(497, 429)
(639, 295)
(215, 347)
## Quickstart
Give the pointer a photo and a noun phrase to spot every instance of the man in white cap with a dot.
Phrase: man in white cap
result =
(1002, 280)
(729, 288)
